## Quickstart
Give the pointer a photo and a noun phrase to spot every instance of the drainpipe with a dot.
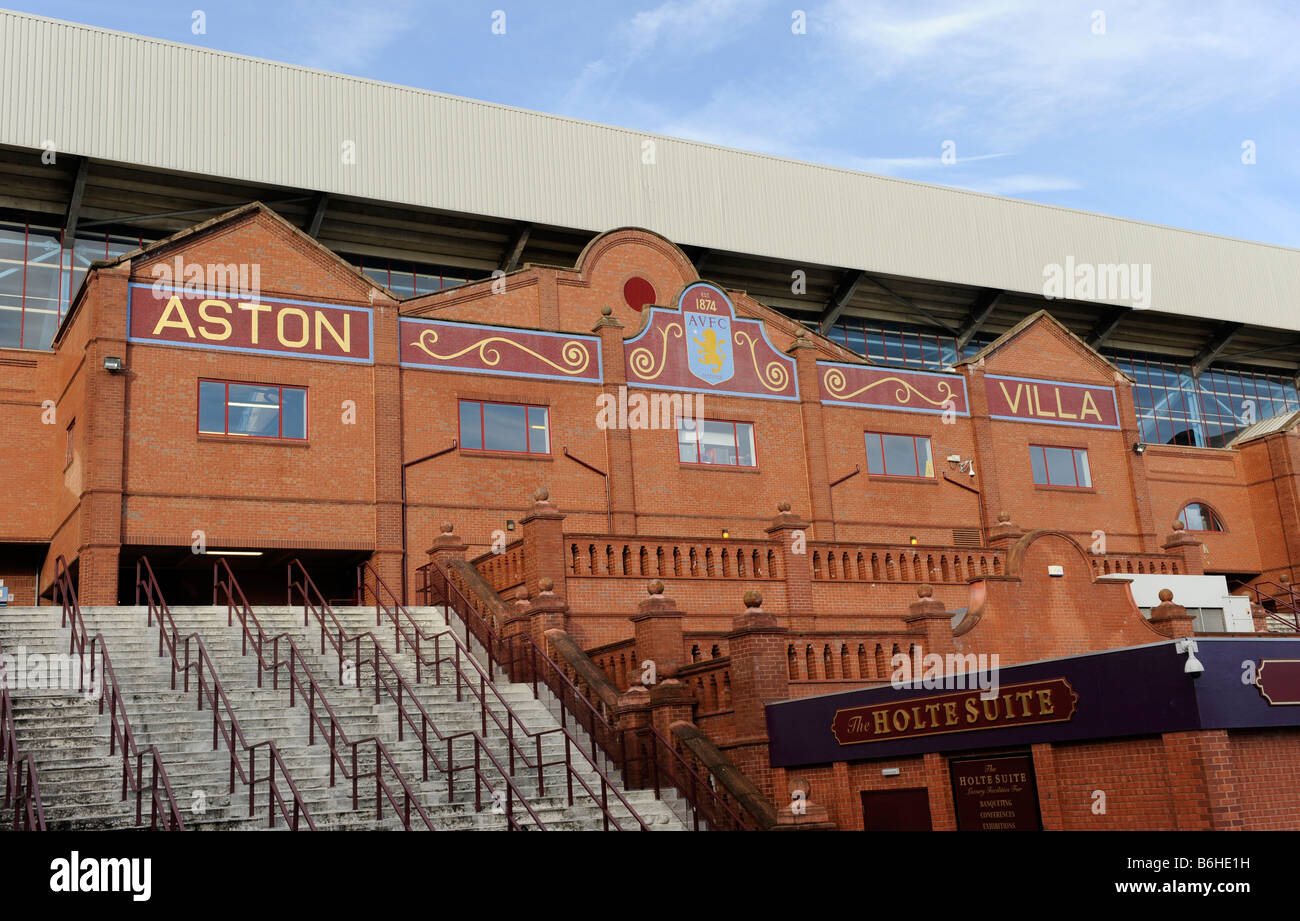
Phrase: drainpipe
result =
(609, 509)
(427, 457)
(979, 500)
(830, 491)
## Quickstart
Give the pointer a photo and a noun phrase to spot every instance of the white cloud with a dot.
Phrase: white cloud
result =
(345, 37)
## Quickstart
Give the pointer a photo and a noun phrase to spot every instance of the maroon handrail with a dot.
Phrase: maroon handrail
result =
(527, 657)
(22, 785)
(338, 739)
(162, 804)
(314, 605)
(1290, 600)
(212, 689)
(398, 612)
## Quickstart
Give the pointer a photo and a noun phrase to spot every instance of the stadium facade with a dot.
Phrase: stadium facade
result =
(542, 366)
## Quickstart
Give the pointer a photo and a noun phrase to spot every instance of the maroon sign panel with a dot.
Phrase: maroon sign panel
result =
(995, 794)
(499, 350)
(703, 346)
(249, 324)
(1278, 681)
(1051, 402)
(890, 388)
(1050, 701)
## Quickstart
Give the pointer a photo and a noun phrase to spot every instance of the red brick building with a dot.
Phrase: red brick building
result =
(586, 429)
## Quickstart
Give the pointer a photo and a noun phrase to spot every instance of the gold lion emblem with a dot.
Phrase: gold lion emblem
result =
(710, 351)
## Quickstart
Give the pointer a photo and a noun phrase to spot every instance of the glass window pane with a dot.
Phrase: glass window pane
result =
(1039, 466)
(504, 428)
(687, 450)
(717, 443)
(1060, 466)
(745, 443)
(39, 324)
(856, 340)
(875, 459)
(900, 455)
(1081, 467)
(923, 455)
(254, 410)
(294, 412)
(212, 407)
(539, 435)
(471, 426)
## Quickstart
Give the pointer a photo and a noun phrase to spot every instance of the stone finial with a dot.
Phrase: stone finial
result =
(1004, 517)
(783, 506)
(925, 590)
(1179, 526)
(545, 585)
(801, 785)
(753, 600)
(542, 495)
(1171, 618)
(801, 334)
(447, 527)
(1005, 532)
(1166, 595)
(606, 311)
(521, 593)
(655, 587)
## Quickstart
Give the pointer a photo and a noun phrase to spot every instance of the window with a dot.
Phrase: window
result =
(1060, 466)
(709, 441)
(509, 427)
(252, 410)
(1198, 517)
(67, 450)
(898, 455)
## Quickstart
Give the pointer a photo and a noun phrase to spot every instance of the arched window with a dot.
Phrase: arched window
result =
(1199, 517)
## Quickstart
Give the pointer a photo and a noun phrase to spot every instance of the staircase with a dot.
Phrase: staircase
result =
(82, 786)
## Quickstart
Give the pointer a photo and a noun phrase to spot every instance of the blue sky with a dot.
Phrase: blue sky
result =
(1136, 109)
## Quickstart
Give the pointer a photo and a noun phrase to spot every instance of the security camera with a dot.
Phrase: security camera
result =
(1194, 667)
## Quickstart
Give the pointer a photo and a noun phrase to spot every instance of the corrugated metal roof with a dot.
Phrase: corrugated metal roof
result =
(131, 99)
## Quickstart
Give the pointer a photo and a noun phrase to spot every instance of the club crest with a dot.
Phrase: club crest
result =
(707, 315)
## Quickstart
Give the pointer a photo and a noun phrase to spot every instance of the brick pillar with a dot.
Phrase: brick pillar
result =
(546, 611)
(633, 718)
(1136, 464)
(1183, 544)
(103, 424)
(1171, 619)
(759, 676)
(1220, 781)
(799, 811)
(931, 619)
(1005, 533)
(1259, 617)
(391, 546)
(986, 457)
(447, 546)
(805, 352)
(791, 533)
(1184, 783)
(543, 529)
(1047, 782)
(618, 439)
(658, 626)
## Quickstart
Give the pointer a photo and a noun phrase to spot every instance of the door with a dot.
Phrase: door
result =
(896, 810)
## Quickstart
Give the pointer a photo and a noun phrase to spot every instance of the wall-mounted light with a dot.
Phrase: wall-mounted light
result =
(725, 533)
(1056, 572)
(510, 524)
(113, 364)
(889, 772)
(913, 541)
(234, 552)
(1139, 448)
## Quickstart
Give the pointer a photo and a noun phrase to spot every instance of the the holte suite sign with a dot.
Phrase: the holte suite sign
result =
(1032, 703)
(995, 794)
(276, 326)
(1052, 402)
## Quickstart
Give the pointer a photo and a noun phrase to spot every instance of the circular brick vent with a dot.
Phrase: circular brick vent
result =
(638, 292)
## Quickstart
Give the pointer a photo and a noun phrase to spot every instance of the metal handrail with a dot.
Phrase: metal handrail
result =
(698, 792)
(485, 684)
(1291, 601)
(162, 804)
(22, 785)
(315, 605)
(333, 729)
(228, 728)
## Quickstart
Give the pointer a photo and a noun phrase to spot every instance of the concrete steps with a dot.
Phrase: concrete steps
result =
(81, 784)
